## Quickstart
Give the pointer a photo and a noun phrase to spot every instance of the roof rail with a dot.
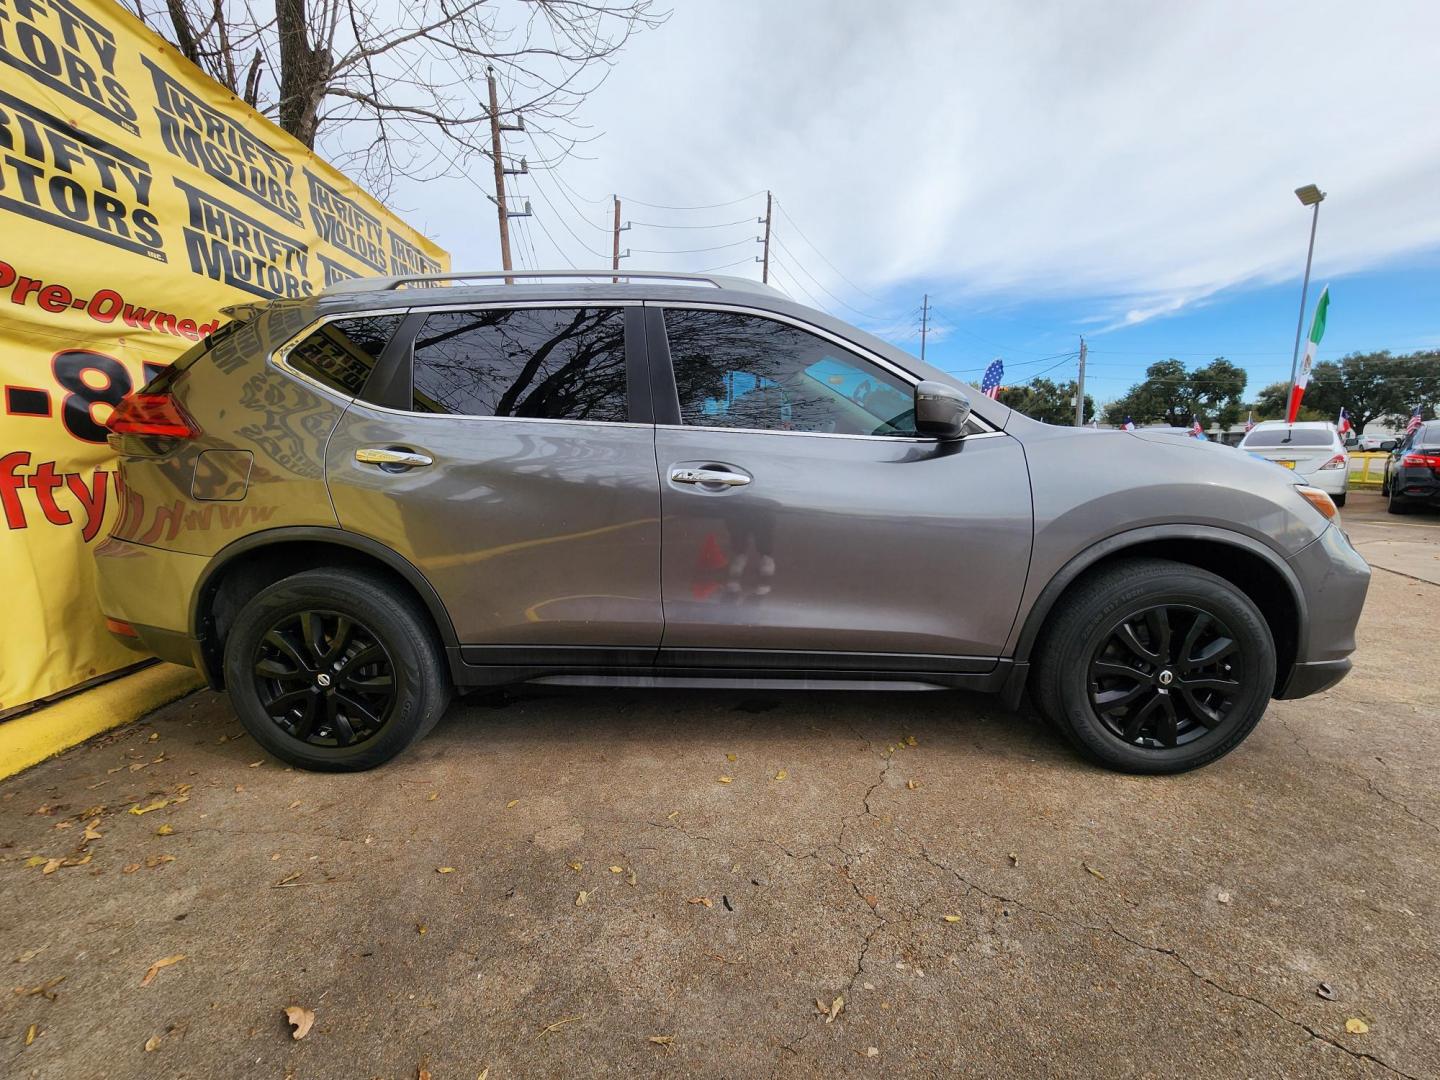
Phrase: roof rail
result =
(385, 284)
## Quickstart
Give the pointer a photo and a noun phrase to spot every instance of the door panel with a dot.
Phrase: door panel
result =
(533, 532)
(842, 544)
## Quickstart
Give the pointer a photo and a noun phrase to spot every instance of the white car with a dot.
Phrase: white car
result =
(1312, 448)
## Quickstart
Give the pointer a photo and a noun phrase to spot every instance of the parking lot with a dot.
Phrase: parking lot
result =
(721, 884)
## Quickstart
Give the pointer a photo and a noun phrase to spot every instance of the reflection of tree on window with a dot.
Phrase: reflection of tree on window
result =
(341, 354)
(551, 363)
(744, 371)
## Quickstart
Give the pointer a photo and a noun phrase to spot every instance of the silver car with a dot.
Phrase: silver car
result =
(1312, 449)
(342, 509)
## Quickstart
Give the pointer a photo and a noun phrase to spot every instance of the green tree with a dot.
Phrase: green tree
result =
(1271, 403)
(1172, 395)
(1370, 386)
(1049, 402)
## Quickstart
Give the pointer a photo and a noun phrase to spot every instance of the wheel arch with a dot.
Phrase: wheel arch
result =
(1252, 567)
(254, 562)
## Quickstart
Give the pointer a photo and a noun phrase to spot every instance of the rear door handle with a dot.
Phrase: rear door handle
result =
(720, 477)
(392, 457)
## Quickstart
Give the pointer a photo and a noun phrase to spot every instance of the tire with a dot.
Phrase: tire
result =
(1088, 629)
(1395, 504)
(1340, 499)
(364, 632)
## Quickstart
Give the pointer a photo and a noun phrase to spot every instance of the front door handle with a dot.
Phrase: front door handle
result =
(719, 477)
(392, 457)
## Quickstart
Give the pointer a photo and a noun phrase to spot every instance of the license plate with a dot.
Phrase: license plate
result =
(1287, 464)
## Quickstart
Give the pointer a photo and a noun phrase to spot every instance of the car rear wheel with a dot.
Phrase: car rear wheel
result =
(1151, 666)
(335, 671)
(1340, 499)
(1396, 504)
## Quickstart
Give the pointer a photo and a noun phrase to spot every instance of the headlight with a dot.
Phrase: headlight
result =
(1318, 499)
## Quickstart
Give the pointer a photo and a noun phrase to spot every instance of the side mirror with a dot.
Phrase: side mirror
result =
(940, 410)
(1388, 444)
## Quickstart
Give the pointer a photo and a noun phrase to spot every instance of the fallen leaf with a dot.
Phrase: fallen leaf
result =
(729, 757)
(51, 865)
(165, 830)
(288, 878)
(91, 830)
(153, 736)
(1326, 991)
(255, 764)
(672, 815)
(152, 861)
(1092, 871)
(872, 1051)
(560, 1023)
(782, 775)
(630, 878)
(432, 796)
(483, 1073)
(158, 804)
(953, 918)
(512, 802)
(36, 860)
(1014, 859)
(910, 740)
(581, 897)
(836, 1008)
(294, 805)
(130, 868)
(705, 900)
(420, 929)
(724, 779)
(913, 785)
(575, 865)
(30, 1033)
(45, 989)
(617, 869)
(152, 1044)
(239, 788)
(300, 1018)
(444, 869)
(154, 968)
(662, 1040)
(1356, 1026)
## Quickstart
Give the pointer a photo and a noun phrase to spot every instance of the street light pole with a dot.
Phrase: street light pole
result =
(1309, 195)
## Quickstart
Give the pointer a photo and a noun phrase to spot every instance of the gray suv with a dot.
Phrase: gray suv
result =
(346, 507)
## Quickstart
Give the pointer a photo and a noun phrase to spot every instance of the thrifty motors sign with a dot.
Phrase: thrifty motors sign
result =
(137, 198)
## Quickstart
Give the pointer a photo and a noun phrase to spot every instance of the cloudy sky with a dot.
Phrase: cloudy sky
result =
(1043, 169)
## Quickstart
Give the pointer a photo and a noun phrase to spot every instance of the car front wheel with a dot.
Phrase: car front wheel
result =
(1152, 666)
(335, 670)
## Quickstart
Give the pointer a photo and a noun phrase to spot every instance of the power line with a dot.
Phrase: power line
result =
(706, 206)
(717, 225)
(794, 258)
(690, 251)
(827, 262)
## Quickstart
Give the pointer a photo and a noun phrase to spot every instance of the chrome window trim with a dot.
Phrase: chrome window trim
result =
(828, 434)
(819, 331)
(278, 357)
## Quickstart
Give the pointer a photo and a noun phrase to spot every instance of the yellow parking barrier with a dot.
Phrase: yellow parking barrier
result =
(1367, 468)
(33, 736)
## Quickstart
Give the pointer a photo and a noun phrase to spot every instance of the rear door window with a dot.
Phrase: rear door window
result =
(539, 363)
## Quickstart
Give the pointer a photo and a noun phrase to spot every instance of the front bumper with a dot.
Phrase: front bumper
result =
(1334, 580)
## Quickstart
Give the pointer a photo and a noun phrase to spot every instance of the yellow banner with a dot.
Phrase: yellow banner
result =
(137, 198)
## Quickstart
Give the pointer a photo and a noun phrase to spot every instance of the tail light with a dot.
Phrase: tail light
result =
(152, 414)
(1426, 461)
(1336, 462)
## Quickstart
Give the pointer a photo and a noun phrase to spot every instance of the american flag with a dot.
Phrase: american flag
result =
(1415, 421)
(1344, 423)
(1128, 425)
(1196, 431)
(1250, 421)
(990, 384)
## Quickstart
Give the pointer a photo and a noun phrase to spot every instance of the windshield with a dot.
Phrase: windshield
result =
(1288, 437)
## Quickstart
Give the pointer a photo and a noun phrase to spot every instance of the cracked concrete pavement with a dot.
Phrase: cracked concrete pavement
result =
(1100, 925)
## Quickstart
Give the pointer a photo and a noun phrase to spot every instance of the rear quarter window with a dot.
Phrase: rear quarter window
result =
(342, 353)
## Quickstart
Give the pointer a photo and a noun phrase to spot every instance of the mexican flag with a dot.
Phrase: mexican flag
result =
(1302, 377)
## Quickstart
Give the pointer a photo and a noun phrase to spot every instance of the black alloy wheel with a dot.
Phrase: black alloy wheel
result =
(324, 678)
(1165, 675)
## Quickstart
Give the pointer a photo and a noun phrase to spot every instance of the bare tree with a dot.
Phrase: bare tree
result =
(397, 88)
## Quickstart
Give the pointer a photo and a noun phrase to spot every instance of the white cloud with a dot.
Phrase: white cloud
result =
(1139, 154)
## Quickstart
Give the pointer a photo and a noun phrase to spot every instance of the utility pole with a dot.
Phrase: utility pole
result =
(497, 156)
(764, 261)
(616, 253)
(1080, 389)
(924, 324)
